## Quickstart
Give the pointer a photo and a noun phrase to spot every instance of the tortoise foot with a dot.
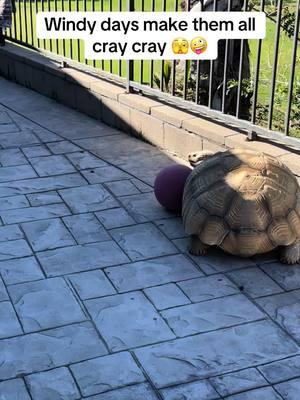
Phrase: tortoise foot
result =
(197, 248)
(291, 254)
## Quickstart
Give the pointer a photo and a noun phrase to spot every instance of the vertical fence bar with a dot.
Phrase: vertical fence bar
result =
(187, 65)
(151, 70)
(78, 40)
(20, 20)
(240, 76)
(102, 9)
(275, 61)
(36, 11)
(257, 70)
(93, 9)
(174, 62)
(141, 61)
(50, 40)
(162, 66)
(197, 96)
(185, 79)
(70, 40)
(224, 89)
(110, 61)
(15, 21)
(292, 75)
(129, 63)
(25, 20)
(57, 41)
(31, 23)
(240, 80)
(120, 61)
(211, 68)
(85, 10)
(43, 9)
(63, 40)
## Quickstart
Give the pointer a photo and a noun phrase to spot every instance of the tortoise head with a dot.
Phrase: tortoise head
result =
(196, 157)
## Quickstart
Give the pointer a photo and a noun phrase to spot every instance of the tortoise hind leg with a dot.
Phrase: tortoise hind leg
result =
(291, 254)
(197, 248)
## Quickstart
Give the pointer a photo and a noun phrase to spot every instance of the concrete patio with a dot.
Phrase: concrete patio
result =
(99, 299)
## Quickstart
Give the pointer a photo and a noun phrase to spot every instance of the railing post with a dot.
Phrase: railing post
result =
(129, 63)
(251, 136)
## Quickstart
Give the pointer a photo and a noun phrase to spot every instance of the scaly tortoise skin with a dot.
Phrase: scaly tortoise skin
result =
(244, 202)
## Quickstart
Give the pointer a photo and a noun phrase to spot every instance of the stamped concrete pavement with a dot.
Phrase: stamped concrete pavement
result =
(99, 298)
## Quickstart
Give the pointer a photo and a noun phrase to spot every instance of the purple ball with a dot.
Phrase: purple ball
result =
(169, 186)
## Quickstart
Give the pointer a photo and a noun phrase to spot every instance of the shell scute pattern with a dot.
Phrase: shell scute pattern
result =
(242, 201)
(240, 210)
(214, 231)
(231, 162)
(280, 201)
(194, 219)
(236, 178)
(216, 200)
(281, 177)
(297, 207)
(201, 179)
(281, 233)
(246, 243)
(294, 221)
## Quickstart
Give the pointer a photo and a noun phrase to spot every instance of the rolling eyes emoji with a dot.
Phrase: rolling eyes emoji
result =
(180, 46)
(198, 45)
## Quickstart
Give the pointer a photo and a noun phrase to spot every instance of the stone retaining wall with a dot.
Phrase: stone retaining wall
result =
(169, 128)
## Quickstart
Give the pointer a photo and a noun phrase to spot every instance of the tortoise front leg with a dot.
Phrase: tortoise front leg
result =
(197, 248)
(291, 254)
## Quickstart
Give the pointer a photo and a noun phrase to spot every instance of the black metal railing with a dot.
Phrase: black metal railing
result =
(253, 85)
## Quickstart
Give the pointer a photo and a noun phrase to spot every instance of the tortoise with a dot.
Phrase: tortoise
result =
(244, 202)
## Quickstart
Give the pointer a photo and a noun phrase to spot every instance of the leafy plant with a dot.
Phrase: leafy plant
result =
(167, 71)
(288, 21)
(246, 87)
(281, 99)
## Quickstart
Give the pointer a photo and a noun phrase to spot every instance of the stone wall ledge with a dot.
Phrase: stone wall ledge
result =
(176, 131)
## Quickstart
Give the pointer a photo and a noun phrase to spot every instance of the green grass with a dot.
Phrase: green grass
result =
(267, 59)
(75, 48)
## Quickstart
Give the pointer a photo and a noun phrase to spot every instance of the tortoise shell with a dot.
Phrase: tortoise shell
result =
(242, 201)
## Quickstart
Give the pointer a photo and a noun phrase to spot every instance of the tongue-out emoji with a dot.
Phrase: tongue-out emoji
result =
(198, 45)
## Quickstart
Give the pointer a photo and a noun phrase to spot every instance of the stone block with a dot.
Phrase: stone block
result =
(107, 89)
(61, 346)
(55, 384)
(36, 312)
(171, 115)
(9, 324)
(88, 198)
(211, 315)
(148, 273)
(117, 370)
(208, 288)
(116, 114)
(20, 270)
(89, 103)
(81, 258)
(141, 103)
(215, 353)
(151, 129)
(79, 78)
(14, 389)
(91, 284)
(128, 320)
(207, 129)
(239, 381)
(142, 241)
(180, 141)
(166, 296)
